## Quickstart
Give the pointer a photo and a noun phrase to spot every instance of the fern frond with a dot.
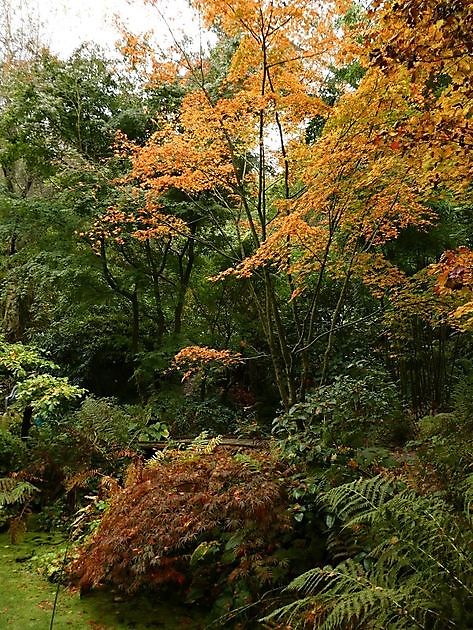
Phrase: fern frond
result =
(78, 480)
(110, 485)
(14, 491)
(360, 496)
(468, 497)
(415, 571)
(354, 597)
(133, 473)
(203, 445)
(343, 544)
(293, 614)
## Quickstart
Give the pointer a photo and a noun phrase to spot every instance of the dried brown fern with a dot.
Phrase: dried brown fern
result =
(78, 480)
(17, 526)
(133, 472)
(110, 486)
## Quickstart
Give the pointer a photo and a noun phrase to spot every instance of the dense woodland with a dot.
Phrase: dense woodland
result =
(266, 238)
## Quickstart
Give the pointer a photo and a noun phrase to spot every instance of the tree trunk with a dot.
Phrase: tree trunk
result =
(26, 422)
(136, 321)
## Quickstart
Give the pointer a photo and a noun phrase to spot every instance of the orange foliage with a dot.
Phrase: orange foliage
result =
(373, 171)
(274, 72)
(388, 150)
(195, 358)
(148, 222)
(175, 504)
(432, 43)
(454, 275)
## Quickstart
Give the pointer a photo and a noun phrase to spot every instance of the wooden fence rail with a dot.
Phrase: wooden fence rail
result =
(233, 442)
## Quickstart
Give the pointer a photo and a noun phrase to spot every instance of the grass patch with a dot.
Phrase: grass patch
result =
(26, 599)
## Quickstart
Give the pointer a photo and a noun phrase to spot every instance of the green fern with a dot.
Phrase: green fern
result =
(360, 497)
(414, 571)
(103, 421)
(468, 497)
(203, 445)
(14, 491)
(463, 399)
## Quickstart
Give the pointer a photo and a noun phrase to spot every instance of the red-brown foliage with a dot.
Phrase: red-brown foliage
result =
(234, 506)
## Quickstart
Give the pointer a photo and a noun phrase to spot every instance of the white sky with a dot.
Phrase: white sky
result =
(69, 23)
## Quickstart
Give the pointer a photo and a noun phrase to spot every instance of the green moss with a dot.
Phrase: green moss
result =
(26, 600)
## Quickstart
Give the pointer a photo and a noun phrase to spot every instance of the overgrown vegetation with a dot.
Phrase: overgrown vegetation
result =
(236, 360)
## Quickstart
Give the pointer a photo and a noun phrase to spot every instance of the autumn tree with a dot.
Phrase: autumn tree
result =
(300, 213)
(454, 278)
(222, 145)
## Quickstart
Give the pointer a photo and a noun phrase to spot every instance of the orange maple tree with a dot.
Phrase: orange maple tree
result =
(297, 212)
(454, 277)
(194, 359)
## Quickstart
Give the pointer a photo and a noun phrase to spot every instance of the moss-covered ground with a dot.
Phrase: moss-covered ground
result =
(27, 598)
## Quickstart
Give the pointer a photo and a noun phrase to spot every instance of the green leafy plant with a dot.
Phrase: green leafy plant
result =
(146, 424)
(12, 451)
(354, 410)
(38, 395)
(412, 569)
(151, 433)
(188, 415)
(46, 394)
(20, 360)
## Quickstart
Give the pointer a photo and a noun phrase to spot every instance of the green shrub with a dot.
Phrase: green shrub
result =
(12, 451)
(187, 416)
(444, 451)
(355, 410)
(439, 424)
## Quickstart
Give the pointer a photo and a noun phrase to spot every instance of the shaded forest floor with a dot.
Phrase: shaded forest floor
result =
(27, 598)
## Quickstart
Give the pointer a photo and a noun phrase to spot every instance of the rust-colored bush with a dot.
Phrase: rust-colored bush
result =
(206, 518)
